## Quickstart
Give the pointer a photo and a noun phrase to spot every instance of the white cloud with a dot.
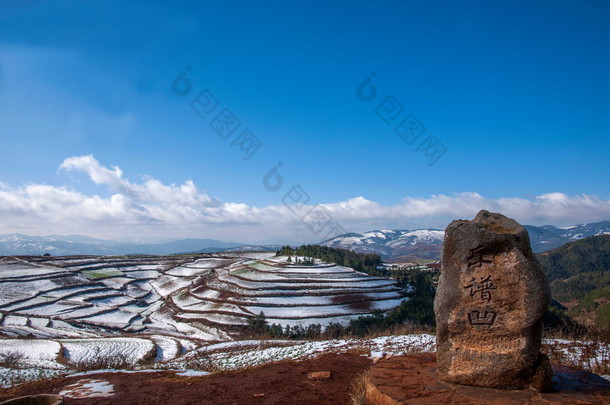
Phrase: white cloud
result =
(152, 208)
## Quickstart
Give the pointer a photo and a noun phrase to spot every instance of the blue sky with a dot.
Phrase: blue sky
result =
(516, 93)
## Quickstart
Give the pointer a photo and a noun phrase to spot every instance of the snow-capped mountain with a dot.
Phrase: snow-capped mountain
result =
(398, 245)
(581, 231)
(549, 237)
(415, 245)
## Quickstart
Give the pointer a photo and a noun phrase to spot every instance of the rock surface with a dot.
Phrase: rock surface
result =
(319, 375)
(489, 304)
(412, 380)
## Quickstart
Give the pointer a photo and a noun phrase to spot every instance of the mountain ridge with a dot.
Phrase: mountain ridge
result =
(402, 245)
(399, 245)
(58, 245)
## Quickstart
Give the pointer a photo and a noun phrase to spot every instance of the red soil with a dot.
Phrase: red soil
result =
(279, 383)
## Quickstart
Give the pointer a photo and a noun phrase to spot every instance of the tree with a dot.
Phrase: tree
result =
(258, 323)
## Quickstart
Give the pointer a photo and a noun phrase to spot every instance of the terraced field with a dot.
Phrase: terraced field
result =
(170, 305)
(59, 316)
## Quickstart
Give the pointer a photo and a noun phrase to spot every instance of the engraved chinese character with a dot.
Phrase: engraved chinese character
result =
(476, 257)
(478, 318)
(484, 286)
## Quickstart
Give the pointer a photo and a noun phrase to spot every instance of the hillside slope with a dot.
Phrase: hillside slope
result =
(185, 297)
(591, 254)
(579, 273)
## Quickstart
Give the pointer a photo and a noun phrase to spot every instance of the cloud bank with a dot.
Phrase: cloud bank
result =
(153, 210)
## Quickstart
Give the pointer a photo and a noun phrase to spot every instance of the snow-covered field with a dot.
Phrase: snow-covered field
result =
(50, 358)
(47, 358)
(62, 313)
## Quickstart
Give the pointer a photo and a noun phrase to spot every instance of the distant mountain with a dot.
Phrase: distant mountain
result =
(17, 244)
(543, 239)
(581, 231)
(254, 248)
(426, 244)
(58, 245)
(178, 246)
(395, 245)
(549, 237)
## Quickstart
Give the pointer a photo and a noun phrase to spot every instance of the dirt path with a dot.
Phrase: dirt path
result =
(279, 383)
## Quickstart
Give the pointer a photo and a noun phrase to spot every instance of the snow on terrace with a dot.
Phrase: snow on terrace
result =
(169, 353)
(184, 301)
(325, 310)
(287, 295)
(209, 263)
(106, 292)
(249, 274)
(88, 351)
(292, 285)
(175, 325)
(184, 271)
(166, 285)
(230, 290)
(286, 274)
(116, 318)
(305, 322)
(231, 356)
(314, 269)
(167, 348)
(40, 353)
(14, 289)
(241, 354)
(17, 268)
(251, 255)
(40, 356)
(297, 300)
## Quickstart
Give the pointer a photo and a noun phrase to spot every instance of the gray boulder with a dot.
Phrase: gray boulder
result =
(489, 304)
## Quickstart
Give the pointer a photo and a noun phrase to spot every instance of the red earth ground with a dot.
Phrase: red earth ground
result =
(397, 380)
(278, 383)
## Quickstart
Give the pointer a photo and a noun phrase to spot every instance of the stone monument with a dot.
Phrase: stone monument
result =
(489, 304)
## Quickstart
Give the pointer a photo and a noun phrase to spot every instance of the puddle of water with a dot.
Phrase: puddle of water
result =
(88, 388)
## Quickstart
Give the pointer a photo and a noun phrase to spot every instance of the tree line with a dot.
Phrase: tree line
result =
(368, 263)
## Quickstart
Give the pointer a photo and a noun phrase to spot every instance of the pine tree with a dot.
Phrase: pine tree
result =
(258, 323)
